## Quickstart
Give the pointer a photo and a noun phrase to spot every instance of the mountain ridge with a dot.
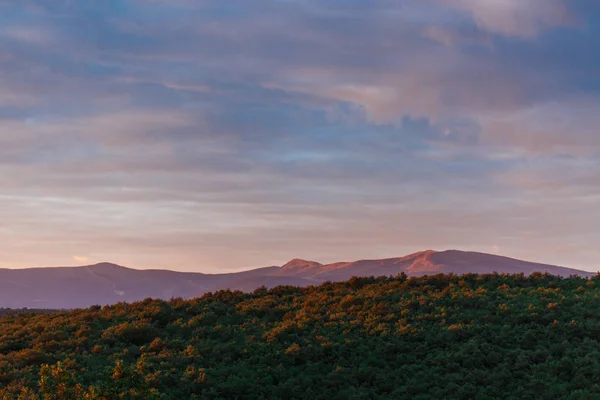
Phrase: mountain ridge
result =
(108, 283)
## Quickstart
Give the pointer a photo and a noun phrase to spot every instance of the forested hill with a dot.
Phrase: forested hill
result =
(450, 337)
(4, 311)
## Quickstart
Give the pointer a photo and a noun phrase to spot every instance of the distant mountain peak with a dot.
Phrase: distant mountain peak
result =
(422, 263)
(298, 263)
(420, 254)
(106, 265)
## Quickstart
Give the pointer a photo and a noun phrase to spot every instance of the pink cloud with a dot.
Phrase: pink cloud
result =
(523, 18)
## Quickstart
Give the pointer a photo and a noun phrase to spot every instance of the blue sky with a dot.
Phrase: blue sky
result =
(221, 135)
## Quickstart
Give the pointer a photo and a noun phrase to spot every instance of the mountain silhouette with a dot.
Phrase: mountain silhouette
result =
(105, 283)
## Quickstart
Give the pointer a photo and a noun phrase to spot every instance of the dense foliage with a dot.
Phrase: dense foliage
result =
(451, 337)
(4, 311)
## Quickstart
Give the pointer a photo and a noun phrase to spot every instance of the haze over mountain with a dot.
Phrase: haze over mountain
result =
(105, 283)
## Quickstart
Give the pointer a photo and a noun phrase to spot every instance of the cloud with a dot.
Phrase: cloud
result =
(515, 17)
(81, 259)
(567, 127)
(29, 35)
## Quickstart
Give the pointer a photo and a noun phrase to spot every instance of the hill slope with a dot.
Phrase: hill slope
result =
(108, 283)
(74, 287)
(440, 337)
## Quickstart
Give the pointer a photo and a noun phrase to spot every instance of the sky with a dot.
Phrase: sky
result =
(214, 136)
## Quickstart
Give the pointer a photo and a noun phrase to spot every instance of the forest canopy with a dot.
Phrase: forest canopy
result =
(444, 336)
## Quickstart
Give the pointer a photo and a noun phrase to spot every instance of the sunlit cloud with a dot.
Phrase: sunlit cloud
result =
(515, 17)
(81, 259)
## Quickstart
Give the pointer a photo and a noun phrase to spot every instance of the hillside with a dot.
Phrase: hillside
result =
(450, 337)
(76, 287)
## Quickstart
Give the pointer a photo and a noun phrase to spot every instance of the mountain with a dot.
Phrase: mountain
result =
(422, 263)
(74, 287)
